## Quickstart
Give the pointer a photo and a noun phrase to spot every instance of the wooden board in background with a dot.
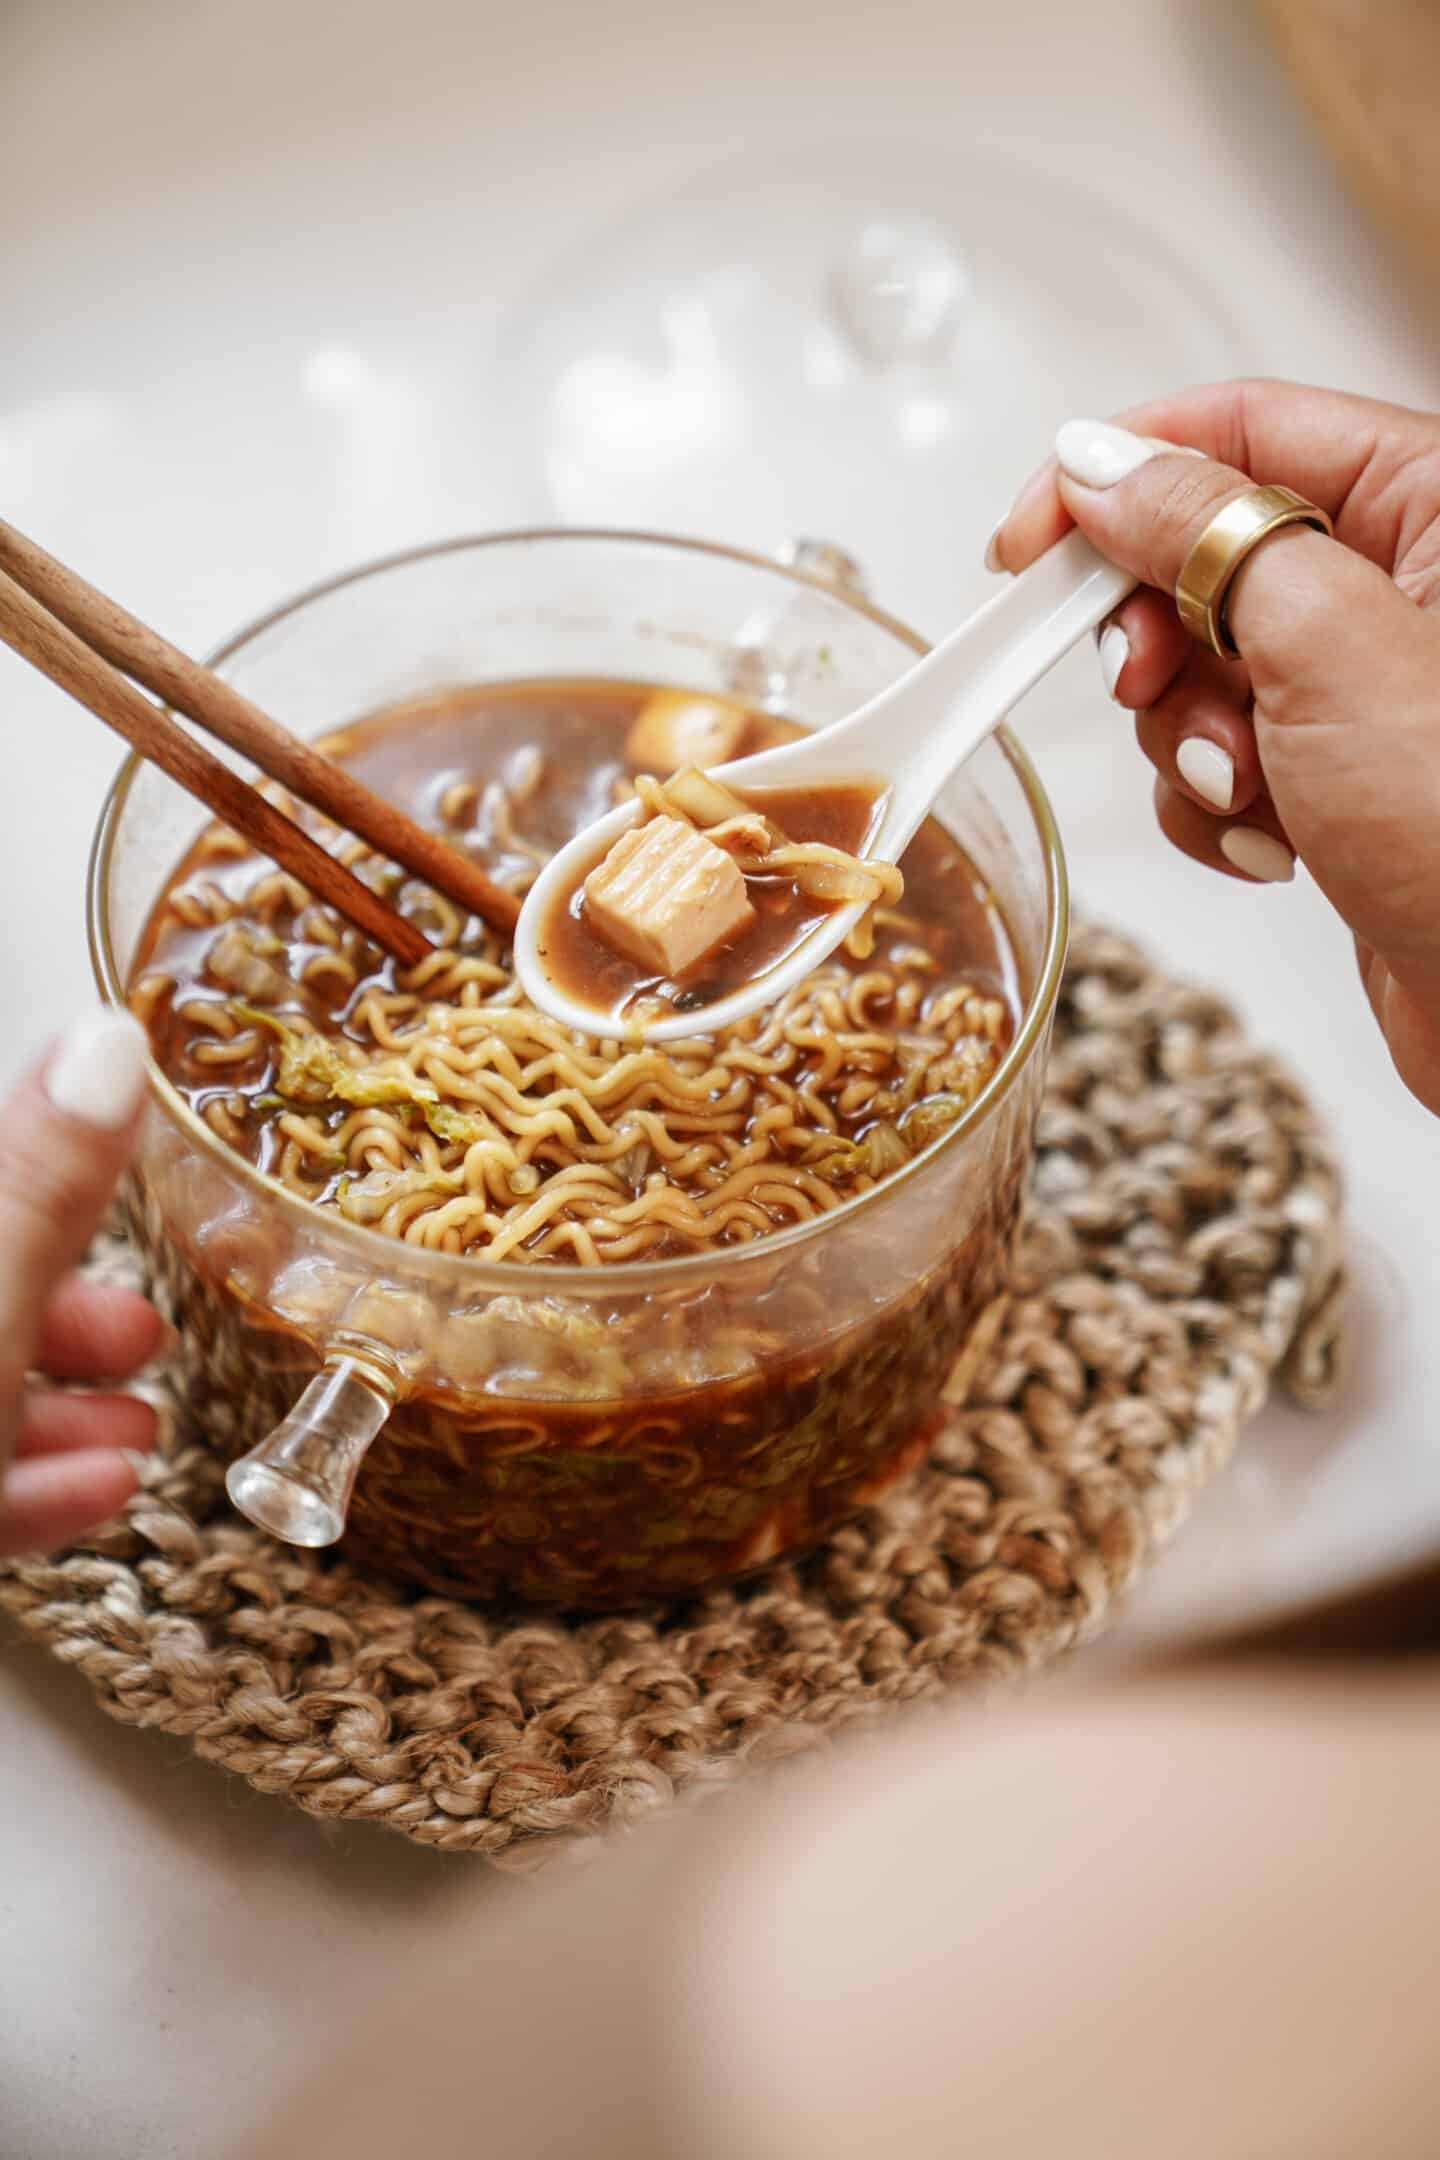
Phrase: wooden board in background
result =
(1369, 71)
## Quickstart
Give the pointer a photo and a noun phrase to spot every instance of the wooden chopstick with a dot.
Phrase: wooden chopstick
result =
(158, 666)
(39, 637)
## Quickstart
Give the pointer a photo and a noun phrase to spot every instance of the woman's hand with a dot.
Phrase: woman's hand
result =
(64, 1135)
(1323, 739)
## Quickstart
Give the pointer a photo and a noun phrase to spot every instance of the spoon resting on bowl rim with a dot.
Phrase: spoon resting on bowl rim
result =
(903, 748)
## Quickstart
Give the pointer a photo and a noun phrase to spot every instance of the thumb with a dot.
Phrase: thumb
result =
(1343, 667)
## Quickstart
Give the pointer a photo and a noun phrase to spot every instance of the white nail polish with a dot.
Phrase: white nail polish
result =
(1208, 769)
(992, 556)
(98, 1071)
(1098, 454)
(1114, 652)
(1259, 854)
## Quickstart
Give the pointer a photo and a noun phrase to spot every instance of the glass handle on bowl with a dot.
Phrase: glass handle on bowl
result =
(297, 1482)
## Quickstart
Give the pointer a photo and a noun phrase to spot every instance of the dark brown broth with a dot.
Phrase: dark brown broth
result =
(589, 969)
(414, 755)
(680, 1480)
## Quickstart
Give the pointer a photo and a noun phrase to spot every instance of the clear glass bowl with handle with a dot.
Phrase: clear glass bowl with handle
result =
(580, 1436)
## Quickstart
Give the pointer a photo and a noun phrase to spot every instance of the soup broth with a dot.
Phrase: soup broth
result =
(566, 1457)
(436, 1104)
(580, 960)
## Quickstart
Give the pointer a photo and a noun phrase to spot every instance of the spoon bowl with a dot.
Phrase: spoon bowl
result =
(908, 742)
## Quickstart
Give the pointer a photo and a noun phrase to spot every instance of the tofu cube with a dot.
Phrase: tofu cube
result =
(677, 727)
(666, 897)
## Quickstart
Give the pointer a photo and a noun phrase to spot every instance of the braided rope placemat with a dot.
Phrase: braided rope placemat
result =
(1180, 1248)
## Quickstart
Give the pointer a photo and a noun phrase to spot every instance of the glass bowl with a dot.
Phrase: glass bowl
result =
(577, 1436)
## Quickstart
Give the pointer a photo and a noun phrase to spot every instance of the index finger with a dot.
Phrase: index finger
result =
(65, 1133)
(1345, 453)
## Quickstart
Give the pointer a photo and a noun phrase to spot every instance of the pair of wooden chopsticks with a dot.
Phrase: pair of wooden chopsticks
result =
(95, 650)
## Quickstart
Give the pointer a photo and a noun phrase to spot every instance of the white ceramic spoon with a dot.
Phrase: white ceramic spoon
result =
(910, 739)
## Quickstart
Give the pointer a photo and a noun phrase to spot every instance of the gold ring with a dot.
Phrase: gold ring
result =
(1230, 539)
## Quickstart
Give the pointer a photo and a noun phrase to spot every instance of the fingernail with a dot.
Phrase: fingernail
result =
(1097, 454)
(992, 549)
(1208, 769)
(1259, 854)
(1114, 652)
(97, 1073)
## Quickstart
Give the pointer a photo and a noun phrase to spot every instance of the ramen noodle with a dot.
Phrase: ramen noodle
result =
(437, 1107)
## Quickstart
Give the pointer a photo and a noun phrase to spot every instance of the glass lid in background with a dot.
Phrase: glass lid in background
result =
(871, 344)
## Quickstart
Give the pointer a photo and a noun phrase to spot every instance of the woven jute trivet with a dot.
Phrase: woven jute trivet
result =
(1180, 1248)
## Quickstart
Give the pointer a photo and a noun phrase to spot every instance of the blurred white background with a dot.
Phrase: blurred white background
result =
(286, 285)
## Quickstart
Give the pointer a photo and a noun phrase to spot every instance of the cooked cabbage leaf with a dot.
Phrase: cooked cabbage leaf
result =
(307, 1062)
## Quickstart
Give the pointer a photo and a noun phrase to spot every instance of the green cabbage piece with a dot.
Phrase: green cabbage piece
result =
(460, 1126)
(306, 1062)
(365, 1199)
(880, 1152)
(927, 1119)
(886, 1147)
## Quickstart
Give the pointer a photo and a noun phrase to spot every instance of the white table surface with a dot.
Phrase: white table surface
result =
(202, 206)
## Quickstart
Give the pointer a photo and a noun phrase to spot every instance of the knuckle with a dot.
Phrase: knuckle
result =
(1183, 497)
(1251, 393)
(1188, 496)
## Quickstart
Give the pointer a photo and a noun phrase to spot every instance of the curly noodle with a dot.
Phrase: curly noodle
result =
(492, 1130)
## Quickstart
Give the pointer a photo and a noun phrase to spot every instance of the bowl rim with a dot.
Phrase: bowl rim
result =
(386, 1253)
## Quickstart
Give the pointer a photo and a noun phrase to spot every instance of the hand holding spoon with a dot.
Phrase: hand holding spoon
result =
(909, 740)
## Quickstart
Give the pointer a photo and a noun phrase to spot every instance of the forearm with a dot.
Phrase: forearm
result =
(1189, 1913)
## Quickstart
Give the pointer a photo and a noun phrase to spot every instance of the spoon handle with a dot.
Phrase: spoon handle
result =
(975, 676)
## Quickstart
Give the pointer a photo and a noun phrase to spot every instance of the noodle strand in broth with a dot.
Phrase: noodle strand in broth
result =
(438, 1106)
